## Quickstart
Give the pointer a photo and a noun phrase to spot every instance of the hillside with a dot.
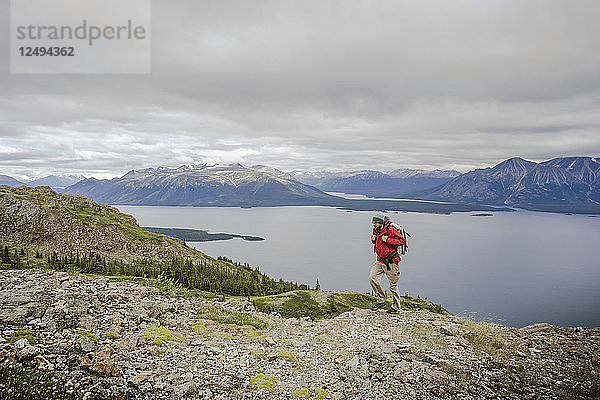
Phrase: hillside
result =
(39, 227)
(570, 184)
(41, 219)
(102, 338)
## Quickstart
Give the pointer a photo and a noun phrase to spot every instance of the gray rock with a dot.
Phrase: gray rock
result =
(84, 344)
(43, 364)
(449, 330)
(404, 347)
(534, 351)
(21, 344)
(132, 340)
(186, 389)
(432, 359)
(359, 365)
(270, 341)
(28, 352)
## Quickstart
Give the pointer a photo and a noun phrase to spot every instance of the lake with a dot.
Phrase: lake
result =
(516, 268)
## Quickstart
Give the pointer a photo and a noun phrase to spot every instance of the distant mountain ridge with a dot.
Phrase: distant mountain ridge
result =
(10, 181)
(399, 182)
(202, 185)
(233, 185)
(54, 181)
(565, 184)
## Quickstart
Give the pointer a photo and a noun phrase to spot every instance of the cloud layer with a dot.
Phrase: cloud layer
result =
(314, 85)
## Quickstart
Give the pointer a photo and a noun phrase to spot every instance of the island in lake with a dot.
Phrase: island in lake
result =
(197, 235)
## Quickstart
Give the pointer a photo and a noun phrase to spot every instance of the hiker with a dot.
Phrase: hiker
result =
(386, 239)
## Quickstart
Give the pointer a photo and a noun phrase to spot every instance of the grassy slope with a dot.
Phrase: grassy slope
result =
(39, 218)
(318, 304)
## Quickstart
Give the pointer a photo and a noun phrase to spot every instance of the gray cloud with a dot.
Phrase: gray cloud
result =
(336, 84)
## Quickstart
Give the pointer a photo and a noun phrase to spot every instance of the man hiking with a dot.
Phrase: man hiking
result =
(386, 239)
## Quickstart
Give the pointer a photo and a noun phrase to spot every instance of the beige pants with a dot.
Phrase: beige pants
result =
(377, 271)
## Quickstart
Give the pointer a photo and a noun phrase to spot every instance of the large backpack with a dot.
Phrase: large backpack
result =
(402, 249)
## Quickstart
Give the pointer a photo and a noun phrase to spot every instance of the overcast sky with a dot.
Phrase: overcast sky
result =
(321, 85)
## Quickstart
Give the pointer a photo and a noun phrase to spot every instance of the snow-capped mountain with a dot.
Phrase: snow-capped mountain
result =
(569, 184)
(202, 185)
(56, 181)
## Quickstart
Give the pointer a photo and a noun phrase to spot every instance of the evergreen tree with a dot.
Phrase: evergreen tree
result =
(6, 256)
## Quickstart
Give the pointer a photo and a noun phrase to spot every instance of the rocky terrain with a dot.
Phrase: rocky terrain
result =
(101, 338)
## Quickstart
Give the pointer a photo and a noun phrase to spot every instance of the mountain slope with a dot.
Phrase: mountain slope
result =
(39, 227)
(375, 183)
(9, 181)
(569, 184)
(56, 181)
(202, 185)
(41, 219)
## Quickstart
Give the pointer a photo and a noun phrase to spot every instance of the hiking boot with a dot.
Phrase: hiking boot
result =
(378, 306)
(392, 311)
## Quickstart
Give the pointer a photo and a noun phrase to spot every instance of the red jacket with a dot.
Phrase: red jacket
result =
(384, 249)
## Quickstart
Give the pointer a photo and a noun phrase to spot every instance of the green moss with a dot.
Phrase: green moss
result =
(225, 316)
(319, 304)
(311, 392)
(159, 336)
(22, 334)
(112, 335)
(89, 335)
(262, 381)
(287, 356)
(302, 393)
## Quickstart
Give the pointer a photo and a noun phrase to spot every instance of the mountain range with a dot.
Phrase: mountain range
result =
(202, 185)
(567, 184)
(54, 181)
(232, 185)
(397, 183)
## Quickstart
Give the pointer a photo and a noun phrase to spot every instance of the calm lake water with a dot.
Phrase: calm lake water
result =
(517, 268)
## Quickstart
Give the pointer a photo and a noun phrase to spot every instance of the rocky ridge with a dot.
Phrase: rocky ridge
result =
(103, 337)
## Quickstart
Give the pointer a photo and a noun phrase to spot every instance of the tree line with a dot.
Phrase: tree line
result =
(222, 276)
